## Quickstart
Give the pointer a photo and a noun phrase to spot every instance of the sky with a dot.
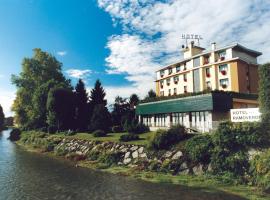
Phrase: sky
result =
(122, 42)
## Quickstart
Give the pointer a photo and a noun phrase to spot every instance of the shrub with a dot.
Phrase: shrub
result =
(128, 137)
(198, 149)
(111, 158)
(164, 139)
(43, 129)
(52, 129)
(260, 170)
(69, 133)
(117, 129)
(99, 133)
(15, 134)
(135, 127)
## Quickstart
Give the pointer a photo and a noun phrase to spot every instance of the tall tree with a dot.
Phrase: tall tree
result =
(133, 100)
(264, 94)
(61, 109)
(98, 94)
(101, 119)
(83, 113)
(2, 118)
(39, 74)
(120, 108)
(151, 94)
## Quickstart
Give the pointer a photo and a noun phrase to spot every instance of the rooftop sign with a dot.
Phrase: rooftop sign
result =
(245, 115)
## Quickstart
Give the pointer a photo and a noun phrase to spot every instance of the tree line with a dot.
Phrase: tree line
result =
(45, 99)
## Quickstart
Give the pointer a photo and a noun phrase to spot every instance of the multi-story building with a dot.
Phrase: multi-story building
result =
(232, 69)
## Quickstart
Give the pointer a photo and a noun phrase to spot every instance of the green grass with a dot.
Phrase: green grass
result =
(111, 137)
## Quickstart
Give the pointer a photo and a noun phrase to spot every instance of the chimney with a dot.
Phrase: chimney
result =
(213, 46)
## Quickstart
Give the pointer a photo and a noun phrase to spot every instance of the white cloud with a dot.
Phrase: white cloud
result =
(153, 29)
(6, 101)
(77, 73)
(61, 53)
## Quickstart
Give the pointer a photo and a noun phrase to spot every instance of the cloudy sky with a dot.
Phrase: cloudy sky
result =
(122, 42)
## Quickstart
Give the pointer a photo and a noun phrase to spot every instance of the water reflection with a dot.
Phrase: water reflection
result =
(25, 175)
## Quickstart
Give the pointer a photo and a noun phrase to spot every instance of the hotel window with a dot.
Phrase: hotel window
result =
(178, 68)
(161, 84)
(196, 62)
(205, 60)
(162, 73)
(207, 72)
(208, 85)
(169, 92)
(168, 80)
(222, 55)
(170, 70)
(176, 79)
(185, 66)
(223, 69)
(185, 89)
(185, 77)
(174, 91)
(162, 93)
(224, 83)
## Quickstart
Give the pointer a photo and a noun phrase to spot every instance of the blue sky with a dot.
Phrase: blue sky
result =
(122, 42)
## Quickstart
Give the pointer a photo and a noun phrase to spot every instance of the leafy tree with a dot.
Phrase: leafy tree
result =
(101, 119)
(264, 94)
(133, 100)
(120, 109)
(61, 109)
(39, 74)
(97, 95)
(2, 118)
(83, 113)
(151, 94)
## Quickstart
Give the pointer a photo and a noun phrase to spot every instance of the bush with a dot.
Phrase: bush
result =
(198, 149)
(164, 139)
(15, 134)
(117, 129)
(111, 158)
(260, 170)
(99, 133)
(52, 129)
(128, 137)
(69, 133)
(135, 127)
(43, 129)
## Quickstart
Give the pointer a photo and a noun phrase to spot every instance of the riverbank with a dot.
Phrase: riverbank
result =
(84, 154)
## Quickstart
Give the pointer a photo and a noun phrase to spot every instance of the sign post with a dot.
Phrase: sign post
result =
(245, 115)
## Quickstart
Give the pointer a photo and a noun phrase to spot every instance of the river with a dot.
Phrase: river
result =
(27, 175)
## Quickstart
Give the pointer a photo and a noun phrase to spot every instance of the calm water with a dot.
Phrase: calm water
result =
(25, 175)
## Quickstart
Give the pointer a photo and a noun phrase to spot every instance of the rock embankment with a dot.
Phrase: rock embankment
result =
(129, 155)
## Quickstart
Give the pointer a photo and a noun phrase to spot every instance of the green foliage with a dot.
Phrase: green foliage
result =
(39, 74)
(111, 158)
(101, 119)
(99, 133)
(2, 118)
(128, 137)
(133, 100)
(15, 134)
(97, 95)
(231, 143)
(52, 129)
(164, 139)
(198, 149)
(61, 109)
(264, 99)
(83, 112)
(260, 170)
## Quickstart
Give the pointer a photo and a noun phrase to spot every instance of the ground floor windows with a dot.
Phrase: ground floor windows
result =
(197, 120)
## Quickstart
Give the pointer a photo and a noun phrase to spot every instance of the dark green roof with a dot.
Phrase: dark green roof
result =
(204, 102)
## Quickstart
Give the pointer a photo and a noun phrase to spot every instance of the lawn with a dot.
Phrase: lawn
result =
(112, 137)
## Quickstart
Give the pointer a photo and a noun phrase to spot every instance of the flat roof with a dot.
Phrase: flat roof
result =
(237, 46)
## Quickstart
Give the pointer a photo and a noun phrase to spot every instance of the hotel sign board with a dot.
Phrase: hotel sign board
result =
(245, 115)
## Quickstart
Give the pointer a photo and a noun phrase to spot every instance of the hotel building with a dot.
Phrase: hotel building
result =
(199, 90)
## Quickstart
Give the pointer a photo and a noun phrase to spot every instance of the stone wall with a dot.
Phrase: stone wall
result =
(173, 161)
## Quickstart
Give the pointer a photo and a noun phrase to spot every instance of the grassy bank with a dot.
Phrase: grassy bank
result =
(204, 183)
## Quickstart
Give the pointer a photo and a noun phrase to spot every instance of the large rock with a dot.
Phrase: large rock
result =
(168, 154)
(143, 155)
(127, 160)
(140, 150)
(134, 148)
(135, 154)
(177, 155)
(127, 155)
(198, 170)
